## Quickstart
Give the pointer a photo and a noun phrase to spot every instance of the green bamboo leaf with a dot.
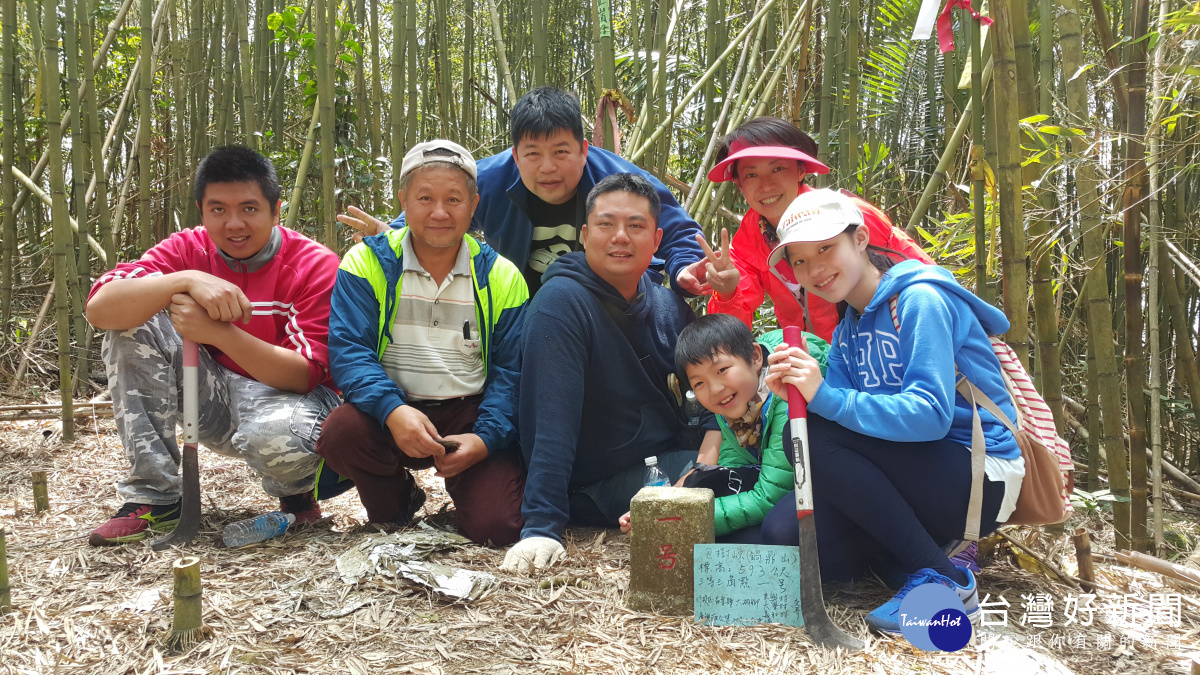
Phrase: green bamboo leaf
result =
(1035, 159)
(274, 21)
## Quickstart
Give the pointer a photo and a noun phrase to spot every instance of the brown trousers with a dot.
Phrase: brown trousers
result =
(487, 497)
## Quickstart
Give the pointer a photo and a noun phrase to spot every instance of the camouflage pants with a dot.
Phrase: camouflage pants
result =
(273, 431)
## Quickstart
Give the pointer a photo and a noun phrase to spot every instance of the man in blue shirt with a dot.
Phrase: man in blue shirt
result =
(596, 400)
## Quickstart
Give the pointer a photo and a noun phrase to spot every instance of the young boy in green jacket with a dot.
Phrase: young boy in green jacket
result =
(719, 359)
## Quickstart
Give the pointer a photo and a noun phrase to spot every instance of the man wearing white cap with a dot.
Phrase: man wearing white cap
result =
(425, 346)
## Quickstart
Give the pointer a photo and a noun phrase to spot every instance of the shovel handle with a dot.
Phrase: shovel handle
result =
(797, 406)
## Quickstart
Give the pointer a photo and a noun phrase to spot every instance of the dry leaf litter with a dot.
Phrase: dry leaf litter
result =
(283, 606)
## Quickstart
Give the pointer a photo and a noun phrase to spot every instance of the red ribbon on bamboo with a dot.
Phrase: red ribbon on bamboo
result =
(945, 28)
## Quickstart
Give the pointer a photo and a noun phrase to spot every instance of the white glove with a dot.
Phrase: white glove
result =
(533, 554)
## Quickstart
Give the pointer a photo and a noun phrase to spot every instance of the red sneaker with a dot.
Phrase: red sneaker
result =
(304, 506)
(133, 522)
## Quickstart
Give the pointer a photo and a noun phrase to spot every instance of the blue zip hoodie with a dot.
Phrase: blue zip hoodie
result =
(588, 409)
(900, 387)
(503, 211)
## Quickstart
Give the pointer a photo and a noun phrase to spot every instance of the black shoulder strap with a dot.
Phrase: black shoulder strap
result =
(620, 318)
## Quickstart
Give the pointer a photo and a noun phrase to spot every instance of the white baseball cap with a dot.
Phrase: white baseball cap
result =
(438, 150)
(815, 215)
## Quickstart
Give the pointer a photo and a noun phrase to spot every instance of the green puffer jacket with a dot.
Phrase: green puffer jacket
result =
(776, 479)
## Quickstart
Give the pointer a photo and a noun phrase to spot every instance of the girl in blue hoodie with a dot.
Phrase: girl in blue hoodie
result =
(889, 437)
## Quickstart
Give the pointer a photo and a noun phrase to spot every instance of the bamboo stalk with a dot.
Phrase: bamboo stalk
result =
(1083, 558)
(1131, 253)
(8, 22)
(5, 590)
(74, 17)
(1174, 473)
(700, 82)
(41, 500)
(777, 66)
(187, 625)
(1152, 305)
(1111, 56)
(983, 287)
(145, 228)
(829, 85)
(59, 214)
(325, 47)
(441, 67)
(96, 64)
(250, 128)
(49, 201)
(376, 121)
(411, 131)
(34, 333)
(99, 180)
(947, 158)
(1095, 290)
(77, 413)
(310, 141)
(849, 150)
(1009, 180)
(1163, 567)
(1186, 369)
(398, 103)
(714, 140)
(53, 406)
(501, 57)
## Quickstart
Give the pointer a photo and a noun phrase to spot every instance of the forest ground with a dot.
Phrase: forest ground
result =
(274, 607)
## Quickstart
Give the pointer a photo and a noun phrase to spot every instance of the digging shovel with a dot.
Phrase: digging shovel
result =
(189, 517)
(821, 629)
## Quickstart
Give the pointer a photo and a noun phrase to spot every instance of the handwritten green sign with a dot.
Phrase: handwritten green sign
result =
(741, 584)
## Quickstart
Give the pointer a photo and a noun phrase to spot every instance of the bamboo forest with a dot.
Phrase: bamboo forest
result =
(1046, 152)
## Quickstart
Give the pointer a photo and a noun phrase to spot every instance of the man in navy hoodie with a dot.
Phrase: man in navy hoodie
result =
(531, 196)
(592, 409)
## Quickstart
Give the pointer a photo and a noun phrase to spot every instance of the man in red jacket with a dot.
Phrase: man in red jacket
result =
(767, 159)
(256, 295)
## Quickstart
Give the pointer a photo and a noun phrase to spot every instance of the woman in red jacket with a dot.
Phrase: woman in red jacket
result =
(768, 159)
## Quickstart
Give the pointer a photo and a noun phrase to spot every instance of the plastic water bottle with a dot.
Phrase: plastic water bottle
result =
(259, 528)
(654, 475)
(691, 408)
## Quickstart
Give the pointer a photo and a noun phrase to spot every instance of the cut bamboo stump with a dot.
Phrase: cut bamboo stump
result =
(41, 501)
(187, 627)
(1083, 557)
(5, 597)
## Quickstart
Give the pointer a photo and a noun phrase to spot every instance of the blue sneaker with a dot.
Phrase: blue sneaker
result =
(886, 617)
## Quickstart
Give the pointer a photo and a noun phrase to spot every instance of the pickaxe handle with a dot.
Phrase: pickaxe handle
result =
(189, 517)
(798, 430)
(820, 627)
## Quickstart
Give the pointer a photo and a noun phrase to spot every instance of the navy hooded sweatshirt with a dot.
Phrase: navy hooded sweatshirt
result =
(899, 385)
(588, 409)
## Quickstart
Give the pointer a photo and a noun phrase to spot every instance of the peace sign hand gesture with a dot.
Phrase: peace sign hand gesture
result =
(720, 273)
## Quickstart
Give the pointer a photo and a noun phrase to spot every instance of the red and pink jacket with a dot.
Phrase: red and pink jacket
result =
(749, 251)
(289, 284)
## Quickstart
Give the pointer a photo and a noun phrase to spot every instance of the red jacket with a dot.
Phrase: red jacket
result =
(290, 290)
(750, 252)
